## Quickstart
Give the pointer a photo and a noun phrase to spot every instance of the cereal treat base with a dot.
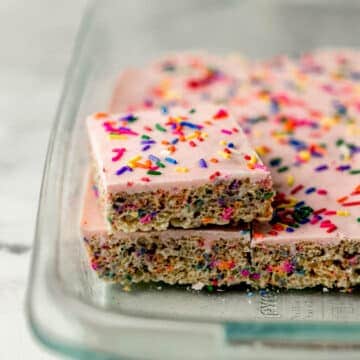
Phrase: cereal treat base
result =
(204, 257)
(308, 264)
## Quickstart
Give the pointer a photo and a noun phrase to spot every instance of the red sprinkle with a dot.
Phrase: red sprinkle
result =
(352, 203)
(145, 179)
(147, 128)
(296, 189)
(322, 192)
(330, 212)
(331, 229)
(214, 175)
(192, 143)
(317, 212)
(221, 114)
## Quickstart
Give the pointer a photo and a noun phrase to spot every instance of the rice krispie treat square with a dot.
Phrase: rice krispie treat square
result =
(200, 257)
(180, 167)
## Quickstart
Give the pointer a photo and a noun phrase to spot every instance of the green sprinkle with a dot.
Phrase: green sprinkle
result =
(210, 288)
(339, 142)
(358, 219)
(109, 219)
(354, 172)
(160, 128)
(160, 164)
(268, 195)
(145, 137)
(153, 172)
(192, 111)
(283, 169)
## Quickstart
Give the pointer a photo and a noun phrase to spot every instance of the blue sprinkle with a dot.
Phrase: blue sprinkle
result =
(299, 204)
(310, 190)
(202, 163)
(147, 142)
(231, 145)
(289, 229)
(274, 106)
(145, 148)
(321, 168)
(171, 160)
(164, 110)
(298, 144)
(341, 109)
(355, 75)
(304, 221)
(153, 158)
(190, 125)
(175, 141)
(123, 170)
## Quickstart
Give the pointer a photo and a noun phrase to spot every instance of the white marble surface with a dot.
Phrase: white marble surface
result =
(36, 40)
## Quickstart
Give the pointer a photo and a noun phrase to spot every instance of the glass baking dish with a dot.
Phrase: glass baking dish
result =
(73, 312)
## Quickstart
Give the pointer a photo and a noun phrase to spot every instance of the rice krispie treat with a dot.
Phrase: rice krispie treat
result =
(180, 79)
(202, 257)
(306, 128)
(178, 167)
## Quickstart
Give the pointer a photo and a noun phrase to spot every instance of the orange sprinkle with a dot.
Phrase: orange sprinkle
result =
(342, 199)
(172, 148)
(140, 165)
(165, 142)
(101, 115)
(207, 220)
(214, 160)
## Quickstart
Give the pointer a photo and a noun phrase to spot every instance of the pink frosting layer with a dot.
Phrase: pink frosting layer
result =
(93, 225)
(171, 149)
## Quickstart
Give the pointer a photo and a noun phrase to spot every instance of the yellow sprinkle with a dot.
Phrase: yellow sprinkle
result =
(261, 150)
(180, 169)
(304, 155)
(222, 143)
(290, 179)
(204, 134)
(224, 154)
(191, 136)
(118, 137)
(133, 160)
(329, 121)
(172, 95)
(253, 160)
(342, 213)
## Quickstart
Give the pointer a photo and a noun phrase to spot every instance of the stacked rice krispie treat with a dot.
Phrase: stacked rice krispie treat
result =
(301, 116)
(160, 171)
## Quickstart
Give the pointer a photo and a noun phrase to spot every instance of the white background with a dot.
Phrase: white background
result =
(36, 39)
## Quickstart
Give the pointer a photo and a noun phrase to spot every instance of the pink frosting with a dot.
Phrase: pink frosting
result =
(198, 138)
(279, 102)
